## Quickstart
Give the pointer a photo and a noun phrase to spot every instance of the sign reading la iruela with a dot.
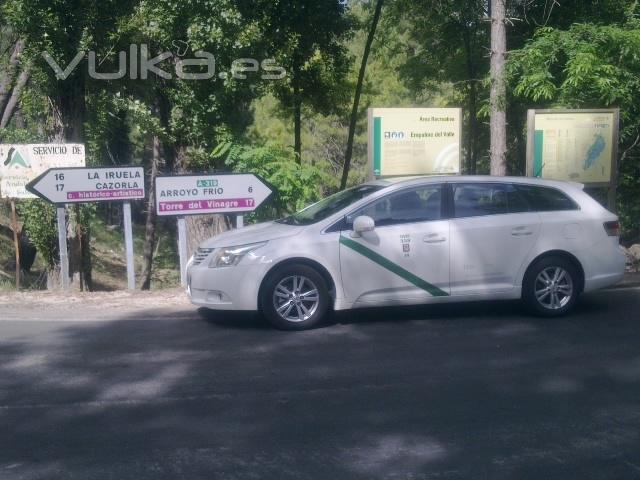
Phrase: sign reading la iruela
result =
(81, 185)
(206, 194)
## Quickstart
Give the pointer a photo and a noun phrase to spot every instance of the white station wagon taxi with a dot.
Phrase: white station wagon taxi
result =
(411, 241)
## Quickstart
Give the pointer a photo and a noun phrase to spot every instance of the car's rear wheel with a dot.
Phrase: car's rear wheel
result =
(551, 287)
(295, 297)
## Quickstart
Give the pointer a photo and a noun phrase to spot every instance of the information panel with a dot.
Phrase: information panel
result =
(573, 145)
(19, 164)
(414, 141)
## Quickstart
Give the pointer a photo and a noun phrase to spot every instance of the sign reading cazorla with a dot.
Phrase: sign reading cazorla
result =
(80, 185)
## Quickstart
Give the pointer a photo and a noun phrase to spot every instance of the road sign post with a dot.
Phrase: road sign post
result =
(16, 241)
(182, 249)
(128, 244)
(62, 246)
(83, 185)
(205, 194)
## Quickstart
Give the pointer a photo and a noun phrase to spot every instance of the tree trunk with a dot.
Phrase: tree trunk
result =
(356, 99)
(297, 116)
(78, 238)
(150, 226)
(12, 103)
(8, 74)
(70, 115)
(202, 227)
(472, 136)
(498, 124)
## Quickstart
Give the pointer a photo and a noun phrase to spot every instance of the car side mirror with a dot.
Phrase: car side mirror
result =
(362, 224)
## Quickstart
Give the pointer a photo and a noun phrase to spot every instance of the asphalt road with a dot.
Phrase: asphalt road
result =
(475, 391)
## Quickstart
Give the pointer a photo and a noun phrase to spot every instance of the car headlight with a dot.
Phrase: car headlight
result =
(230, 256)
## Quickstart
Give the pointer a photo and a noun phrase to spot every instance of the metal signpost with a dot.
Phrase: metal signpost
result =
(82, 185)
(21, 163)
(574, 145)
(16, 240)
(414, 141)
(205, 194)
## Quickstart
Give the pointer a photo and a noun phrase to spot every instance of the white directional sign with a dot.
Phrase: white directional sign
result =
(204, 194)
(80, 185)
(19, 164)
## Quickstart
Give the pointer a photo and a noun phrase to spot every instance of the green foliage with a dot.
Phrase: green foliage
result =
(589, 66)
(324, 136)
(18, 135)
(200, 113)
(39, 220)
(310, 40)
(580, 66)
(295, 185)
(444, 44)
(40, 223)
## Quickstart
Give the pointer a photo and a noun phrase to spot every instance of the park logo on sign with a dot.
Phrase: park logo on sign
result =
(394, 135)
(15, 160)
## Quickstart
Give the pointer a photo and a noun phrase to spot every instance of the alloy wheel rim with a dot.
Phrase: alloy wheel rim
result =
(296, 298)
(553, 288)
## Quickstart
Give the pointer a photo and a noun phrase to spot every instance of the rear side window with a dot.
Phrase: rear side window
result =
(545, 199)
(477, 199)
(516, 201)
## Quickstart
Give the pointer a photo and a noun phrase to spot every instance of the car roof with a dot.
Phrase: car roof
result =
(388, 181)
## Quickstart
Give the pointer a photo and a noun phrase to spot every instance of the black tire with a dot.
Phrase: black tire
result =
(535, 281)
(272, 297)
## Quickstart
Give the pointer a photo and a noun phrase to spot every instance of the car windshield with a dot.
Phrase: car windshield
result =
(330, 205)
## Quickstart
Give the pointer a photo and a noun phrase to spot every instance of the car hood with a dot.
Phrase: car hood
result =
(255, 233)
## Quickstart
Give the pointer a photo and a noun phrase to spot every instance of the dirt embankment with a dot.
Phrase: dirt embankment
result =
(108, 302)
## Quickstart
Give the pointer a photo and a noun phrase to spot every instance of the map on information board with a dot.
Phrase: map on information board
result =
(574, 146)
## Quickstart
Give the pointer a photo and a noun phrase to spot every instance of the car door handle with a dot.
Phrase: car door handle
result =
(521, 232)
(433, 238)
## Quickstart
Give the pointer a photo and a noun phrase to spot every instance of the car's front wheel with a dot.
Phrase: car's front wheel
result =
(551, 287)
(295, 297)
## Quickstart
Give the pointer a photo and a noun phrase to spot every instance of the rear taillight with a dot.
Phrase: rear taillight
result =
(612, 228)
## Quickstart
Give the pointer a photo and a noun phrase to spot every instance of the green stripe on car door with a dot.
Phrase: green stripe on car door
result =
(392, 267)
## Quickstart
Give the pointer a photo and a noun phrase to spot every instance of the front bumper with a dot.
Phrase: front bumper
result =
(228, 288)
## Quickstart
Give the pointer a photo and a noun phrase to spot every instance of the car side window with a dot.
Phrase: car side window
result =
(478, 199)
(410, 205)
(516, 202)
(545, 199)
